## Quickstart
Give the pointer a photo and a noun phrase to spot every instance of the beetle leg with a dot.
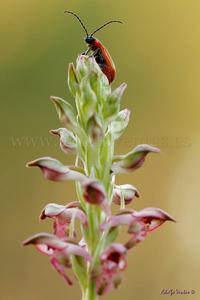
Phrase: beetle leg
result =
(95, 53)
(86, 52)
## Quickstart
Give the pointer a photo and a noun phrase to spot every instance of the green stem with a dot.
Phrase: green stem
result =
(91, 292)
(93, 228)
(97, 163)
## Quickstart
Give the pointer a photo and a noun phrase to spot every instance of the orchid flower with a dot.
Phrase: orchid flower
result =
(58, 251)
(112, 264)
(89, 130)
(126, 193)
(63, 216)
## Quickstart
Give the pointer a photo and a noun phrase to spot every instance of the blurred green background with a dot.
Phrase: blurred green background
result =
(157, 52)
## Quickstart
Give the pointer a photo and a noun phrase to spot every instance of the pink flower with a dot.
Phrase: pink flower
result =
(132, 160)
(58, 251)
(113, 263)
(138, 233)
(63, 215)
(126, 192)
(139, 223)
(113, 259)
(125, 217)
(54, 170)
(153, 217)
(94, 193)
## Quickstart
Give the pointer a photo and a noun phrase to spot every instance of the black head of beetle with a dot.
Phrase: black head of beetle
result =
(89, 39)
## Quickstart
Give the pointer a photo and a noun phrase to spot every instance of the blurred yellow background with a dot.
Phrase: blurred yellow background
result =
(157, 52)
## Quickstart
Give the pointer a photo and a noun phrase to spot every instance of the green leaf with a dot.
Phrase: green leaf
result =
(88, 99)
(106, 155)
(118, 93)
(66, 112)
(112, 104)
(119, 124)
(72, 79)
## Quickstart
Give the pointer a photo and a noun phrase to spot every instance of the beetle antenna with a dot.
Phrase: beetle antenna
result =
(75, 15)
(104, 25)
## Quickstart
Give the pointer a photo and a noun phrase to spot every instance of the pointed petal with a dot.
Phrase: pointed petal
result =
(113, 102)
(118, 93)
(153, 217)
(47, 239)
(66, 112)
(119, 124)
(67, 139)
(51, 210)
(132, 160)
(63, 214)
(54, 170)
(53, 242)
(72, 79)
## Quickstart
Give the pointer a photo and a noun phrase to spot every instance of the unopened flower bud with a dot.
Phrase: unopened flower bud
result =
(119, 124)
(66, 113)
(125, 192)
(67, 139)
(94, 192)
(112, 105)
(72, 79)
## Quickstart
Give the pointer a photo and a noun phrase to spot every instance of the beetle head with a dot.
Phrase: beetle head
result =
(89, 40)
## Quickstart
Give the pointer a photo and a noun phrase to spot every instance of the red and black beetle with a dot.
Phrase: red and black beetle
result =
(99, 51)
